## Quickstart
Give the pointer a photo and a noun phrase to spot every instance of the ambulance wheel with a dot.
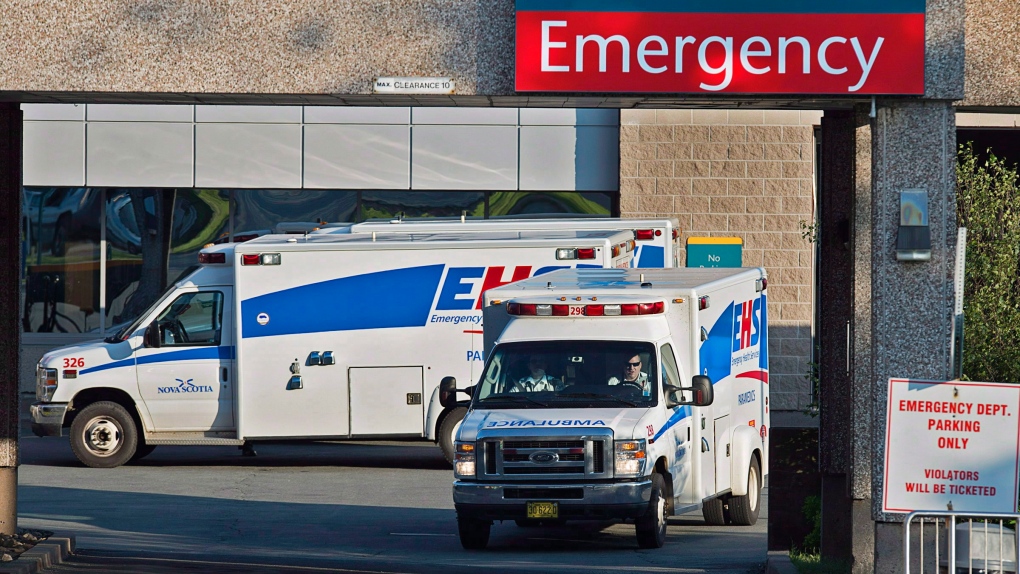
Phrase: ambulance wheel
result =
(142, 451)
(103, 435)
(448, 431)
(474, 533)
(651, 528)
(714, 511)
(744, 509)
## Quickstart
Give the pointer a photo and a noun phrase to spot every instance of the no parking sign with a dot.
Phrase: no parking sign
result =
(951, 445)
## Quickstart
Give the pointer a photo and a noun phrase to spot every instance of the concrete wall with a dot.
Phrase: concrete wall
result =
(251, 47)
(992, 42)
(748, 174)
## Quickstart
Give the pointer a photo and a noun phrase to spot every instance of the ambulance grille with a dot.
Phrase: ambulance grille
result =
(546, 458)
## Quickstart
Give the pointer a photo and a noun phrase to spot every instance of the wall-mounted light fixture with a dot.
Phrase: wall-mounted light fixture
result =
(913, 239)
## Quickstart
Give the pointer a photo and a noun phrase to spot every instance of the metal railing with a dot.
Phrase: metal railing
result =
(962, 543)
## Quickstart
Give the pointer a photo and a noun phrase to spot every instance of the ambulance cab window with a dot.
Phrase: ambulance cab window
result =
(670, 374)
(193, 319)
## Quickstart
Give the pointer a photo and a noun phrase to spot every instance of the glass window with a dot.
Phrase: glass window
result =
(389, 204)
(193, 319)
(670, 373)
(142, 256)
(60, 255)
(258, 212)
(576, 374)
(534, 202)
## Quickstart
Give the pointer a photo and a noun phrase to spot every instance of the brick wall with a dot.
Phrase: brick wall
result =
(737, 173)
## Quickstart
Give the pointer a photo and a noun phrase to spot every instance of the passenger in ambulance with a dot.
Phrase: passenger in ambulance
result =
(633, 376)
(537, 379)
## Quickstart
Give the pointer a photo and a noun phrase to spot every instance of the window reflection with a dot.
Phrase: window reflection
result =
(143, 257)
(536, 202)
(384, 204)
(61, 260)
(258, 212)
(153, 235)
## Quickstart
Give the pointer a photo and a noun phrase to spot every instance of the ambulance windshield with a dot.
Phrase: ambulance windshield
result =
(578, 374)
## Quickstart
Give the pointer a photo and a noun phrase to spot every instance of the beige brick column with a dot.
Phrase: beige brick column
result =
(741, 173)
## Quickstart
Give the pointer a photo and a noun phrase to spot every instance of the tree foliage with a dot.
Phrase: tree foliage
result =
(988, 205)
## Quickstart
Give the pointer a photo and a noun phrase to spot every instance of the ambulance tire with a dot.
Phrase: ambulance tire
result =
(474, 533)
(104, 435)
(714, 511)
(651, 528)
(744, 509)
(143, 451)
(448, 431)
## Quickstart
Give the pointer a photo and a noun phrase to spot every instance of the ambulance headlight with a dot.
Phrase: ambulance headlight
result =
(464, 460)
(630, 458)
(45, 383)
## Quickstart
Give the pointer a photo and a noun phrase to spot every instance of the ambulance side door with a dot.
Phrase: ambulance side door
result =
(678, 426)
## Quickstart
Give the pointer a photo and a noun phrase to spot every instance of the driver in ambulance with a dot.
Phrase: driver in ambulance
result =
(633, 376)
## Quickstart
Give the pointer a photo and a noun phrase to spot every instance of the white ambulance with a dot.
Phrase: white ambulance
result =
(617, 394)
(299, 337)
(657, 241)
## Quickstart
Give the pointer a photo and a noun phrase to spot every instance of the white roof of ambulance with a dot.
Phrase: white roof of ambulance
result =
(412, 240)
(660, 281)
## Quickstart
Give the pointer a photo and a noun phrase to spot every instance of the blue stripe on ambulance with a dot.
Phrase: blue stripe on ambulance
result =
(716, 353)
(193, 354)
(387, 299)
(651, 256)
(679, 414)
(763, 355)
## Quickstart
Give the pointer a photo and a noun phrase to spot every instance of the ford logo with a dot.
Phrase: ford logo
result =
(544, 457)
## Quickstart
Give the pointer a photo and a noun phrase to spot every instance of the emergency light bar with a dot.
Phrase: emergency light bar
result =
(647, 234)
(205, 258)
(587, 310)
(260, 259)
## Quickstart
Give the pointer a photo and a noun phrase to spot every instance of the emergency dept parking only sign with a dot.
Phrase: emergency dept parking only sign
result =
(951, 445)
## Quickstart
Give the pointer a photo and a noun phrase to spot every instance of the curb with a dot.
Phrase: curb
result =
(779, 563)
(54, 550)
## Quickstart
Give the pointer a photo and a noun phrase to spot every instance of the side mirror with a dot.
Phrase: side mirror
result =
(669, 391)
(151, 338)
(704, 394)
(448, 391)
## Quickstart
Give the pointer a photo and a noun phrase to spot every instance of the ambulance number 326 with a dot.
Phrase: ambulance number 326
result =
(74, 362)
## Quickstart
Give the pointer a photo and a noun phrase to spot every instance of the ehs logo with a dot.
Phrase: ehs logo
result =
(746, 324)
(463, 287)
(184, 387)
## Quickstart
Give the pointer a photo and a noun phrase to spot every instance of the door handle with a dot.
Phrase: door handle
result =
(224, 374)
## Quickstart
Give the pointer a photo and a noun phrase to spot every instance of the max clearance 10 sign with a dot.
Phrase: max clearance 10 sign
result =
(951, 446)
(853, 47)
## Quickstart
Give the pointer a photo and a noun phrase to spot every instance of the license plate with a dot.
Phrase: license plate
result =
(543, 510)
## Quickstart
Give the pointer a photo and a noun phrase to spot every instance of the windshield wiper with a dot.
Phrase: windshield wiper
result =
(596, 396)
(515, 397)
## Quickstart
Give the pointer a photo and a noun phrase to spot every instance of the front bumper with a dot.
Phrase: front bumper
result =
(508, 501)
(48, 418)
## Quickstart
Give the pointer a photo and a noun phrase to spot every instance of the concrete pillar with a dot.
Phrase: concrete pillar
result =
(844, 337)
(914, 146)
(879, 317)
(10, 330)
